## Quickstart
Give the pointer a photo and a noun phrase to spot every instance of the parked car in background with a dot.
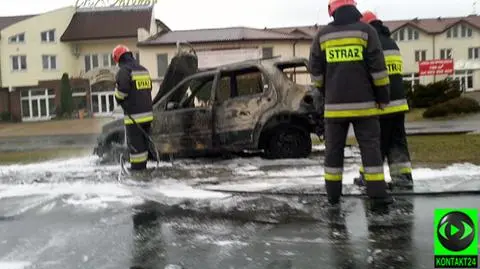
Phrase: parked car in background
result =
(246, 106)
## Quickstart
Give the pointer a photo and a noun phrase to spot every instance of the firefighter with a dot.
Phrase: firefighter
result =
(392, 123)
(133, 93)
(347, 65)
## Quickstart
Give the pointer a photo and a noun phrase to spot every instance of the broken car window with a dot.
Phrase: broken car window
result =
(239, 83)
(198, 93)
(296, 72)
(250, 83)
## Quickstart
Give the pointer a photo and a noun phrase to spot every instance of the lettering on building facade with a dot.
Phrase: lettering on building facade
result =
(113, 3)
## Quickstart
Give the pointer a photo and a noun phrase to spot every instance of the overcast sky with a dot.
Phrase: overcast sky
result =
(191, 14)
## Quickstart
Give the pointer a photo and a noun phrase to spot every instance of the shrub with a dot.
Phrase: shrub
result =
(5, 116)
(435, 93)
(460, 105)
(66, 98)
(408, 92)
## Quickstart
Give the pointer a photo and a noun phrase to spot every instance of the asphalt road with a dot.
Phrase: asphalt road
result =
(75, 214)
(141, 238)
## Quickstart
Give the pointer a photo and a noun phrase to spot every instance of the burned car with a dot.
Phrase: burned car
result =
(245, 106)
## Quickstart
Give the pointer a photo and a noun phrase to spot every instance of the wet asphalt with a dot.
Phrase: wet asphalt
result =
(142, 237)
(76, 214)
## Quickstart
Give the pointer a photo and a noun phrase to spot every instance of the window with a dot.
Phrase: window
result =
(414, 78)
(401, 35)
(162, 64)
(91, 62)
(19, 62)
(460, 31)
(137, 57)
(49, 62)
(445, 54)
(395, 36)
(407, 33)
(48, 36)
(420, 55)
(194, 93)
(79, 96)
(267, 52)
(107, 60)
(465, 77)
(238, 83)
(37, 104)
(473, 53)
(20, 38)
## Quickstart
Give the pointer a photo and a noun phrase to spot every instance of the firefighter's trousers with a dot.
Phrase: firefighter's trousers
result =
(138, 144)
(394, 146)
(367, 133)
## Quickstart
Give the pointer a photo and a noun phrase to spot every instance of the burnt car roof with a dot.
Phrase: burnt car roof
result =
(268, 61)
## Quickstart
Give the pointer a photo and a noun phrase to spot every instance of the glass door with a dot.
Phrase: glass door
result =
(103, 103)
(43, 108)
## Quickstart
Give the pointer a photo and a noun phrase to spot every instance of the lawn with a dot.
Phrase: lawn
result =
(42, 155)
(441, 150)
(416, 114)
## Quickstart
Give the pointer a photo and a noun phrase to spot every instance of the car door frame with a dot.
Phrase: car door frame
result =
(233, 136)
(170, 119)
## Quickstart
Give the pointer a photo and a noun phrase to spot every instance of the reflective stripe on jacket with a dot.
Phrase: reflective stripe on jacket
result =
(348, 65)
(394, 62)
(134, 87)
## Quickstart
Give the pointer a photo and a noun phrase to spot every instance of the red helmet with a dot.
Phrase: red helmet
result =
(368, 17)
(335, 4)
(118, 51)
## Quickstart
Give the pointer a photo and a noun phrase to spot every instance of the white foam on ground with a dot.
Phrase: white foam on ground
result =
(72, 164)
(306, 176)
(14, 265)
(185, 191)
(92, 196)
(458, 170)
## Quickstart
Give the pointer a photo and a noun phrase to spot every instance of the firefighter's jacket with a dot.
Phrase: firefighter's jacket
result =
(347, 64)
(394, 62)
(133, 92)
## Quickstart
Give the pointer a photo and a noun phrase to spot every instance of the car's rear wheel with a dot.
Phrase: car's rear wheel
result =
(288, 141)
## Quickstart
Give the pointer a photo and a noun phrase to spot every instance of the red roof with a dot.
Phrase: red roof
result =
(107, 24)
(218, 35)
(428, 25)
(7, 21)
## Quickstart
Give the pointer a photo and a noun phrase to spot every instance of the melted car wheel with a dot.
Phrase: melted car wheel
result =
(288, 141)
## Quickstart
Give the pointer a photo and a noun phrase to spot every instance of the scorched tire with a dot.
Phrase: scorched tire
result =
(288, 141)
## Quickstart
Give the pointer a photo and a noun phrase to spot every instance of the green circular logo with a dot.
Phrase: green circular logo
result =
(455, 231)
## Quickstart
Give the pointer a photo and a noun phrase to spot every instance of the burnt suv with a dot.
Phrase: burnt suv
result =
(253, 105)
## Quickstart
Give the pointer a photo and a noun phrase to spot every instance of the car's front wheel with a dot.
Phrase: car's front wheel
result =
(115, 147)
(288, 141)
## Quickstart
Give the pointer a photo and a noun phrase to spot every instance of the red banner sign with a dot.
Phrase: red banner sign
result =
(435, 67)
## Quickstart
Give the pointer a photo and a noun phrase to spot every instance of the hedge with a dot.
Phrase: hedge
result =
(460, 105)
(424, 96)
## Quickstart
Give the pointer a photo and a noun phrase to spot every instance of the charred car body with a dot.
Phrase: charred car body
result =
(246, 106)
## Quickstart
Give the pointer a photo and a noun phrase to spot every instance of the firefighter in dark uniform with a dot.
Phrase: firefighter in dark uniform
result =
(347, 65)
(133, 93)
(394, 144)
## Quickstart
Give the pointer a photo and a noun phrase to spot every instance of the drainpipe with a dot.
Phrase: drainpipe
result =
(294, 54)
(434, 52)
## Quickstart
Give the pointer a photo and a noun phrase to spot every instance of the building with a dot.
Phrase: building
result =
(219, 46)
(40, 48)
(37, 50)
(418, 39)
